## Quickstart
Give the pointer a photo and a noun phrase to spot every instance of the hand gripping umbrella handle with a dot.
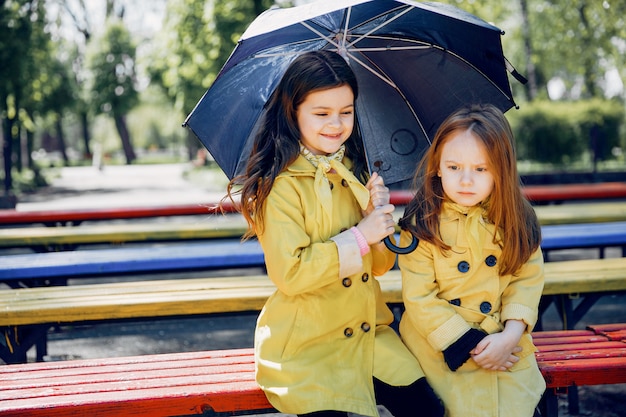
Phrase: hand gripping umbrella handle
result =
(401, 251)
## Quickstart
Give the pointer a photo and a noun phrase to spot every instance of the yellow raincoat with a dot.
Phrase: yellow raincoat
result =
(325, 332)
(446, 295)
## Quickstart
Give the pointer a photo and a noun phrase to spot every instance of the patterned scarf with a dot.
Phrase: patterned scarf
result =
(324, 164)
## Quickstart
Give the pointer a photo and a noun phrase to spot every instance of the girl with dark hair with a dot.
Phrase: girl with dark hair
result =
(323, 344)
(472, 287)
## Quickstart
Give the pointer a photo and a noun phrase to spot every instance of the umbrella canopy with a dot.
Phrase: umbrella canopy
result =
(415, 64)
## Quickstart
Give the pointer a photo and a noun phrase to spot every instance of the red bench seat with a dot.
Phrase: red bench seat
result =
(222, 382)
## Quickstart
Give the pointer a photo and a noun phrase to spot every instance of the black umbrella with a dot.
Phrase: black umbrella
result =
(415, 63)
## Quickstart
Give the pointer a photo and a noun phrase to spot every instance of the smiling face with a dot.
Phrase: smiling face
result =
(464, 169)
(326, 119)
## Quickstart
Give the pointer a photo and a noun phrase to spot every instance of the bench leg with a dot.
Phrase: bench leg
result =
(549, 404)
(41, 345)
(17, 340)
(572, 401)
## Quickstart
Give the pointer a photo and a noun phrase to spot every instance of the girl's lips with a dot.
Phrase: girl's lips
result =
(333, 137)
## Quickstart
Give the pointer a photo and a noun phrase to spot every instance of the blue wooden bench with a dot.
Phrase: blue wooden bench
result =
(55, 267)
(590, 235)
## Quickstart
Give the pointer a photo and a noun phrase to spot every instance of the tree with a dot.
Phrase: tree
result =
(24, 54)
(196, 40)
(578, 41)
(111, 63)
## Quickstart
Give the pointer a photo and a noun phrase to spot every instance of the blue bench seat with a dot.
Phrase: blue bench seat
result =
(232, 253)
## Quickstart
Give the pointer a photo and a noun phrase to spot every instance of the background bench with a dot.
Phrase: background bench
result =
(222, 382)
(76, 217)
(43, 239)
(535, 193)
(28, 313)
(553, 193)
(32, 269)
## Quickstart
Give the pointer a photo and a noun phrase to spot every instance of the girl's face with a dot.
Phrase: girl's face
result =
(326, 119)
(464, 169)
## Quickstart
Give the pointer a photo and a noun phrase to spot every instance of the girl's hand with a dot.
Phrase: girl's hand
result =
(378, 224)
(496, 352)
(379, 193)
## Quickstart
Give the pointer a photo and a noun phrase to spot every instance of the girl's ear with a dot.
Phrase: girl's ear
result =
(439, 173)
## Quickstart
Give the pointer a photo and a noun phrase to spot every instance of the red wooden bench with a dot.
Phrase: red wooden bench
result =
(179, 384)
(556, 193)
(564, 192)
(75, 217)
(535, 193)
(572, 358)
(222, 382)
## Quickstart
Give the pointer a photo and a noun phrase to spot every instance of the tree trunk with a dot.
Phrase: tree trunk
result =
(84, 121)
(30, 143)
(122, 129)
(7, 152)
(531, 86)
(61, 140)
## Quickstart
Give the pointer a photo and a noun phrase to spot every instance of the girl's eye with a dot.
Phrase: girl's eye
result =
(453, 167)
(481, 169)
(347, 112)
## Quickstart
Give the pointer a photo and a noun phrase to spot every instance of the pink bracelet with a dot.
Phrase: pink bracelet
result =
(364, 247)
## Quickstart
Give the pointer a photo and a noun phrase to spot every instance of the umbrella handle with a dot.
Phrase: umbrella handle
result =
(400, 251)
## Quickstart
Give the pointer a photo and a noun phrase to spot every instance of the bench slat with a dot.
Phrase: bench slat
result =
(135, 380)
(143, 370)
(595, 353)
(560, 333)
(579, 372)
(157, 402)
(19, 371)
(580, 346)
(192, 255)
(563, 340)
(222, 227)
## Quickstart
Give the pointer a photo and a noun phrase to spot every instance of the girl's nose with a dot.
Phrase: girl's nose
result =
(335, 120)
(466, 177)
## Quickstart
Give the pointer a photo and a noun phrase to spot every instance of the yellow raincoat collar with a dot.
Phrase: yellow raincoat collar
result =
(473, 223)
(302, 167)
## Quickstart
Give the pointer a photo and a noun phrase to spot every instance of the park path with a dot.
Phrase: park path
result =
(124, 186)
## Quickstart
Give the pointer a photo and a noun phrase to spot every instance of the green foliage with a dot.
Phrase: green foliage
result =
(560, 133)
(112, 71)
(197, 39)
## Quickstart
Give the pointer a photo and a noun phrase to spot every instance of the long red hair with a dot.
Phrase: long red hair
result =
(507, 207)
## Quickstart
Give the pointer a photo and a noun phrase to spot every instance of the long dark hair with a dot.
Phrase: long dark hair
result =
(277, 143)
(507, 208)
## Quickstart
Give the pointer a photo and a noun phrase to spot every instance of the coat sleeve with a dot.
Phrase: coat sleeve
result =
(294, 262)
(432, 316)
(520, 299)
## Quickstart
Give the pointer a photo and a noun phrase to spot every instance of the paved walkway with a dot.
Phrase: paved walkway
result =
(132, 185)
